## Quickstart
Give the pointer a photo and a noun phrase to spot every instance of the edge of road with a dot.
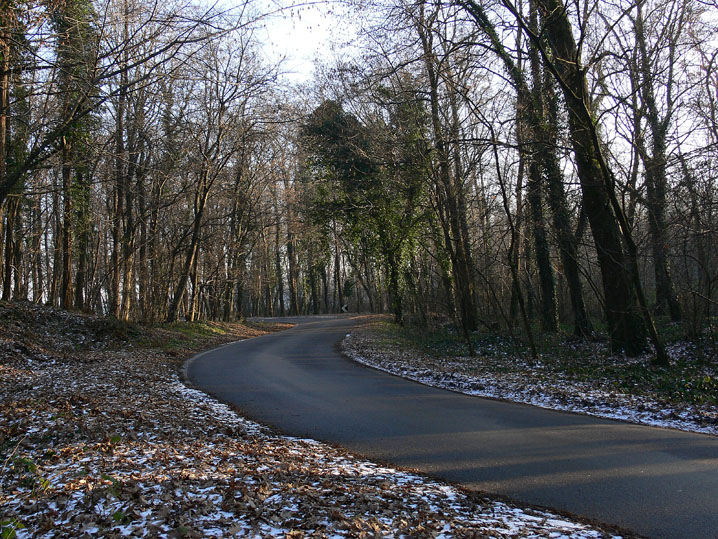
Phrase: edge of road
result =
(474, 494)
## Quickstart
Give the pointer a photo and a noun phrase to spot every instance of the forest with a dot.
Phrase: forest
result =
(531, 167)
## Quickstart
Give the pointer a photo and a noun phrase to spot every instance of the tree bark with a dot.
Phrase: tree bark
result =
(200, 200)
(278, 258)
(618, 268)
(656, 181)
(458, 250)
(12, 207)
(567, 242)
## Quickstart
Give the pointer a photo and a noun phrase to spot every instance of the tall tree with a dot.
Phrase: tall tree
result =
(624, 298)
(448, 187)
(660, 54)
(77, 54)
(538, 112)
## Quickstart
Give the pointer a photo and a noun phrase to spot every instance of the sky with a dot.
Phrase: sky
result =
(303, 32)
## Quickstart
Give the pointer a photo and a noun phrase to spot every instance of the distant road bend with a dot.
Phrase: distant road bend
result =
(659, 483)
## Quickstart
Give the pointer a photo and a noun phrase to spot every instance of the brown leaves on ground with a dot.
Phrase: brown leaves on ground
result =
(109, 443)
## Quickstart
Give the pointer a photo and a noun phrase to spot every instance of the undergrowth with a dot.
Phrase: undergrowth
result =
(691, 377)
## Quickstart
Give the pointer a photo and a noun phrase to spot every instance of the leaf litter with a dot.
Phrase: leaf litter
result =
(107, 442)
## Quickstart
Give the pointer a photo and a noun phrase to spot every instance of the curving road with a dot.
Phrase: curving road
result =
(657, 482)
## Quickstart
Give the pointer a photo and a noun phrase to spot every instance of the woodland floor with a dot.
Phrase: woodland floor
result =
(570, 374)
(100, 438)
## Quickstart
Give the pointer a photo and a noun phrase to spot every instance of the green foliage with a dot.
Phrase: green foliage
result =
(9, 527)
(120, 517)
(114, 488)
(368, 178)
(681, 382)
(30, 475)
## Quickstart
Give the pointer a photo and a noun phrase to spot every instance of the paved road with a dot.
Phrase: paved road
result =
(659, 483)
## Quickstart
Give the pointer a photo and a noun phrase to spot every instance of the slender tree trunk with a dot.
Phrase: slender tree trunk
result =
(292, 275)
(325, 289)
(515, 252)
(12, 204)
(278, 260)
(119, 192)
(666, 298)
(338, 289)
(81, 280)
(313, 289)
(143, 277)
(656, 181)
(129, 238)
(394, 290)
(192, 251)
(4, 90)
(460, 255)
(4, 105)
(192, 314)
(82, 227)
(37, 272)
(118, 198)
(66, 291)
(56, 245)
(20, 279)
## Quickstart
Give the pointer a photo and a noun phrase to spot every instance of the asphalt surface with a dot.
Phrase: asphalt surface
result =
(656, 482)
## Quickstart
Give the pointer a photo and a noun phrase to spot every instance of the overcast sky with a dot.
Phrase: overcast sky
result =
(303, 33)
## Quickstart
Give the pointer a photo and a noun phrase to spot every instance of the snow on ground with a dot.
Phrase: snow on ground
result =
(112, 444)
(517, 380)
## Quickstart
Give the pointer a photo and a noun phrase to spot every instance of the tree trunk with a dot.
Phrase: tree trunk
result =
(666, 298)
(567, 242)
(143, 277)
(291, 259)
(656, 182)
(192, 314)
(394, 290)
(339, 292)
(66, 292)
(57, 240)
(12, 205)
(292, 275)
(325, 289)
(313, 289)
(515, 252)
(458, 250)
(19, 278)
(623, 314)
(549, 306)
(192, 251)
(278, 259)
(37, 271)
(5, 15)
